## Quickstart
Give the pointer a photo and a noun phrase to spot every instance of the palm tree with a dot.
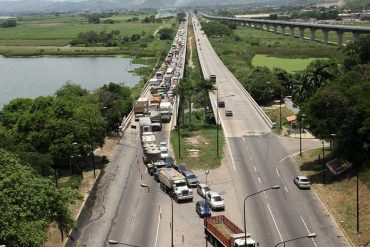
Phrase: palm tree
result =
(205, 86)
(318, 74)
(186, 90)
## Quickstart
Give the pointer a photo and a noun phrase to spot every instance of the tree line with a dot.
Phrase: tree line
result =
(40, 134)
(114, 38)
(333, 98)
(8, 23)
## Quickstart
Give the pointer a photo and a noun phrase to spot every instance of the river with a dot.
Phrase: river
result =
(24, 77)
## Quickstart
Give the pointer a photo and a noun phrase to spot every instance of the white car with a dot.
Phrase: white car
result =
(164, 154)
(163, 147)
(215, 201)
(302, 182)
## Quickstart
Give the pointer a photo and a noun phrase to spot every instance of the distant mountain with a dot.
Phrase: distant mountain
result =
(26, 6)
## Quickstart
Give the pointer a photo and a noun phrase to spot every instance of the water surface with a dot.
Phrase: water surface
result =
(42, 76)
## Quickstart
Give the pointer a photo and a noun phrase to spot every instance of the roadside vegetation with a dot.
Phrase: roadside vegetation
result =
(40, 135)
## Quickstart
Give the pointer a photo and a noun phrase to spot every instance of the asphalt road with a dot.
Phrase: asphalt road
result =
(259, 159)
(254, 158)
(119, 208)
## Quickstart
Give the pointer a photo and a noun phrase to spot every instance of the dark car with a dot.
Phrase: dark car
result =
(202, 209)
(168, 161)
(221, 103)
(156, 126)
(181, 168)
(229, 113)
(191, 179)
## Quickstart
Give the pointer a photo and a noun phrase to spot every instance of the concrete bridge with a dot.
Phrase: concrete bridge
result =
(272, 26)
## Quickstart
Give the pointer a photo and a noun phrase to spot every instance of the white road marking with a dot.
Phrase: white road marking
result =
(231, 155)
(259, 180)
(250, 157)
(305, 225)
(286, 189)
(159, 222)
(244, 141)
(146, 170)
(277, 171)
(281, 239)
(255, 169)
(133, 223)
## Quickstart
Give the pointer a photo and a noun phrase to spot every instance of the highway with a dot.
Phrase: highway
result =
(118, 208)
(254, 159)
(259, 159)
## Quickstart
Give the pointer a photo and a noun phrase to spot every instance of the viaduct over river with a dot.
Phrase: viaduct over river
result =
(284, 25)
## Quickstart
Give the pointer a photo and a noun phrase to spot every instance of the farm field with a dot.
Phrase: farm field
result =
(288, 64)
(54, 32)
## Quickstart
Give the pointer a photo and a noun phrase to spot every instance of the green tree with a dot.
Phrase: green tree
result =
(9, 23)
(29, 203)
(357, 52)
(94, 19)
(263, 85)
(204, 87)
(185, 90)
(69, 89)
(318, 74)
(165, 34)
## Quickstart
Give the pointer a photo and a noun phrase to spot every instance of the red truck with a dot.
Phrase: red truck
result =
(220, 231)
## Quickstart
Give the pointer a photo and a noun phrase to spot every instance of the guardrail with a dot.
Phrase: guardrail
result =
(249, 97)
(127, 120)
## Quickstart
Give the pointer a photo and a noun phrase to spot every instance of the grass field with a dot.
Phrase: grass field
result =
(60, 30)
(198, 144)
(289, 64)
(238, 50)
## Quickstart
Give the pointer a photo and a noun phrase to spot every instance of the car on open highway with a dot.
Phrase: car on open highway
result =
(302, 182)
(229, 113)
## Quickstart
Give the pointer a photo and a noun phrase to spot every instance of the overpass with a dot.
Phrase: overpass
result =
(273, 25)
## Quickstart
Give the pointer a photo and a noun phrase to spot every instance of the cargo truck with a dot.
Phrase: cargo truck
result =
(155, 116)
(145, 125)
(140, 108)
(166, 109)
(220, 231)
(174, 184)
(148, 138)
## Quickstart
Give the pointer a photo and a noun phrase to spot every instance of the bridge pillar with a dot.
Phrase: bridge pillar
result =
(313, 34)
(268, 27)
(275, 28)
(355, 36)
(283, 30)
(340, 38)
(291, 31)
(301, 33)
(326, 36)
